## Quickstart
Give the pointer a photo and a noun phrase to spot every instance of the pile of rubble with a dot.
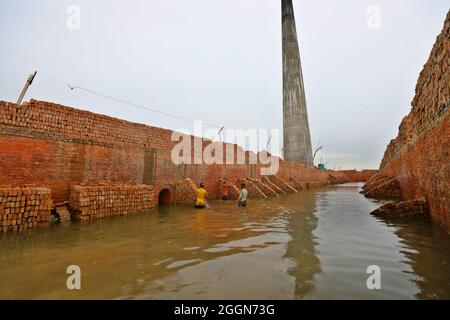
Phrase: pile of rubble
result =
(24, 208)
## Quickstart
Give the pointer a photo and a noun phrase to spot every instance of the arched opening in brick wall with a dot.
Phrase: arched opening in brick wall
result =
(164, 198)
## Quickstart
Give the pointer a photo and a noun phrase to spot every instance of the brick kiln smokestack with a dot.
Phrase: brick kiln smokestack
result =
(296, 135)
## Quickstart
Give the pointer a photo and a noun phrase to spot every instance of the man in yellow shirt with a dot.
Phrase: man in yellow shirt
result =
(200, 197)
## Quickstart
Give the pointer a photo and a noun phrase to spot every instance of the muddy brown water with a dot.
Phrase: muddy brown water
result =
(315, 244)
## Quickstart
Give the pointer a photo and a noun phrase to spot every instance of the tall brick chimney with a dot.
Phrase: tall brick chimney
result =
(296, 135)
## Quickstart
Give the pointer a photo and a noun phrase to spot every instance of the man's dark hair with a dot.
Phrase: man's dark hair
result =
(202, 184)
(242, 185)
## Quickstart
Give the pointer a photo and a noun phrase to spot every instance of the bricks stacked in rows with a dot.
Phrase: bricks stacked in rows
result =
(266, 189)
(411, 208)
(24, 208)
(432, 97)
(267, 181)
(62, 123)
(281, 184)
(46, 121)
(299, 185)
(57, 122)
(382, 187)
(354, 175)
(432, 89)
(98, 202)
(336, 177)
(418, 157)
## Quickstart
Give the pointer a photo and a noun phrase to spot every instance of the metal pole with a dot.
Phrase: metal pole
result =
(25, 87)
(268, 142)
(220, 131)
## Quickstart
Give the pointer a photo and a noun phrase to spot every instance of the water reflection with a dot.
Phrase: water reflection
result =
(313, 244)
(427, 248)
(301, 248)
(245, 260)
(348, 241)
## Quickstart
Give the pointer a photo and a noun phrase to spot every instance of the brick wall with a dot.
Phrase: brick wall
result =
(24, 208)
(359, 176)
(419, 157)
(299, 172)
(58, 165)
(47, 144)
(90, 203)
(40, 119)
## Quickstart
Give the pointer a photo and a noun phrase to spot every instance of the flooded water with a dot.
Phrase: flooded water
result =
(315, 244)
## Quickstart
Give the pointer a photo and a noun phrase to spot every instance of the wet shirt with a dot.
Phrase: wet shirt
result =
(200, 195)
(243, 195)
(225, 190)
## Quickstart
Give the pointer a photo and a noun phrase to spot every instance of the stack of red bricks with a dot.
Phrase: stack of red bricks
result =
(297, 184)
(184, 192)
(24, 208)
(402, 209)
(336, 178)
(353, 175)
(381, 186)
(287, 187)
(90, 203)
(265, 188)
(57, 122)
(270, 183)
(419, 156)
(315, 184)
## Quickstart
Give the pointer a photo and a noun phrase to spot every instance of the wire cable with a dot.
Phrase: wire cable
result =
(105, 96)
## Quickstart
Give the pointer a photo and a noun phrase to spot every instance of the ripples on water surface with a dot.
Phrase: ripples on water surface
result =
(315, 244)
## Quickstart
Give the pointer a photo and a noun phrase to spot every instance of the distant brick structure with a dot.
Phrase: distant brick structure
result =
(97, 202)
(419, 158)
(24, 208)
(54, 146)
(381, 186)
(99, 162)
(359, 176)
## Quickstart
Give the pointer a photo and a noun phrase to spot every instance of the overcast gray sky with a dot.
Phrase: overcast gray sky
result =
(220, 61)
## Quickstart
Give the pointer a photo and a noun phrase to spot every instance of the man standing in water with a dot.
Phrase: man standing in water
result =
(225, 190)
(200, 196)
(243, 196)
